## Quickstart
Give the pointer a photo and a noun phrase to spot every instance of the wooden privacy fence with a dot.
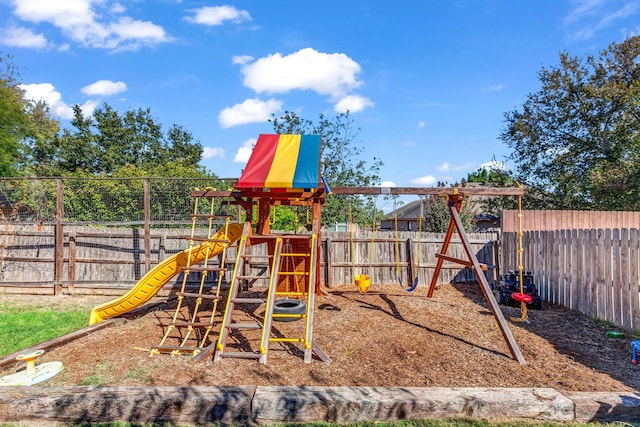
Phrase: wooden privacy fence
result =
(111, 260)
(593, 270)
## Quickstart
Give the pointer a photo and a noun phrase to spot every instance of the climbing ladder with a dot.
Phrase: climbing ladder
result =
(193, 319)
(290, 274)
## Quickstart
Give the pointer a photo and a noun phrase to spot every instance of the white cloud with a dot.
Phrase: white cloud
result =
(452, 167)
(129, 34)
(494, 165)
(104, 88)
(307, 69)
(421, 125)
(211, 152)
(387, 184)
(424, 180)
(88, 107)
(216, 15)
(92, 23)
(352, 103)
(250, 111)
(241, 59)
(117, 8)
(245, 150)
(589, 16)
(493, 88)
(23, 37)
(47, 92)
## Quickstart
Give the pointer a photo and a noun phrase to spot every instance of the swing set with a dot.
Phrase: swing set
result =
(455, 198)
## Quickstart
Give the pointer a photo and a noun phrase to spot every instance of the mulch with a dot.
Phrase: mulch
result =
(385, 337)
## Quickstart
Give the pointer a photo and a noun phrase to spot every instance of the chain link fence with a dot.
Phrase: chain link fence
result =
(102, 201)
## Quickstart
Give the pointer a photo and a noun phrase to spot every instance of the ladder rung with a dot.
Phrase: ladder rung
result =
(288, 315)
(207, 216)
(173, 348)
(192, 324)
(244, 326)
(295, 254)
(292, 294)
(276, 339)
(293, 273)
(196, 295)
(248, 300)
(205, 268)
(253, 277)
(240, 355)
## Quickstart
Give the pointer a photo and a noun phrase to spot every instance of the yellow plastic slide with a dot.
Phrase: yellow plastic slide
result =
(158, 276)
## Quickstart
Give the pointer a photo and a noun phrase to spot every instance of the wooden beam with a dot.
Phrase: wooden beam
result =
(486, 288)
(461, 261)
(435, 191)
(62, 340)
(393, 191)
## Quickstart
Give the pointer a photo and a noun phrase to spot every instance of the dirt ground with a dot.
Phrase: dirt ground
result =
(386, 337)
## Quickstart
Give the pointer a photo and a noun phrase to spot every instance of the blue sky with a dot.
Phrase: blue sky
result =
(427, 82)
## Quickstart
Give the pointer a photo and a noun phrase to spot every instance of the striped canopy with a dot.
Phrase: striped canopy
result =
(283, 161)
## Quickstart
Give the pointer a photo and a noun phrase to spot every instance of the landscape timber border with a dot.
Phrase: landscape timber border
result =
(249, 405)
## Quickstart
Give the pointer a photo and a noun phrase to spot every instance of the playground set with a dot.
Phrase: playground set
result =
(283, 170)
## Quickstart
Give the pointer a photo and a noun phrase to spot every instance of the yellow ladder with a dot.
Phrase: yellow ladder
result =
(189, 332)
(235, 300)
(308, 293)
(281, 256)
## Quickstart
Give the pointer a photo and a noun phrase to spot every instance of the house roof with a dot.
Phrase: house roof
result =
(410, 211)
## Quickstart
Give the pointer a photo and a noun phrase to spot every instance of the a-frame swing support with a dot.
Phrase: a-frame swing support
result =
(455, 197)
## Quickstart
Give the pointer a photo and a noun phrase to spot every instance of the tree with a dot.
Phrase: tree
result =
(576, 142)
(108, 141)
(436, 217)
(13, 118)
(342, 163)
(495, 175)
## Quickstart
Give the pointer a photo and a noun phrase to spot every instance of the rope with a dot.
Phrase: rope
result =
(523, 306)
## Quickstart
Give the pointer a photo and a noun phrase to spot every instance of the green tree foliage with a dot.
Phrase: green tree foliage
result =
(108, 141)
(342, 163)
(495, 176)
(14, 120)
(576, 142)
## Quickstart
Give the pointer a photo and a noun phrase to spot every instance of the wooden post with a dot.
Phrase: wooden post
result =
(161, 248)
(327, 252)
(445, 246)
(454, 208)
(58, 267)
(147, 226)
(72, 262)
(316, 227)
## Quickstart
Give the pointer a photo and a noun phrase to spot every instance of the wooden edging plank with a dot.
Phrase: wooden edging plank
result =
(64, 339)
(250, 405)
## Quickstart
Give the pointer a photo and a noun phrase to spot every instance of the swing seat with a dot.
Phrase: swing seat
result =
(522, 297)
(363, 282)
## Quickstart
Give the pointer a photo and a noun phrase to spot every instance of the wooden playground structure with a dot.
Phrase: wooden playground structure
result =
(284, 170)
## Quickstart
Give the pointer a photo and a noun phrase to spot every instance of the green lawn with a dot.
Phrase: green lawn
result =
(24, 326)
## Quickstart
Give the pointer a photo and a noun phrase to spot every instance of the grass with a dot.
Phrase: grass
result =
(24, 326)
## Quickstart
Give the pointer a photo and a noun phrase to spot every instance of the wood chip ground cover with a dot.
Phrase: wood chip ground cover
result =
(385, 337)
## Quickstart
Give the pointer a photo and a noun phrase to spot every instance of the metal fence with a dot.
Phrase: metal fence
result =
(110, 201)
